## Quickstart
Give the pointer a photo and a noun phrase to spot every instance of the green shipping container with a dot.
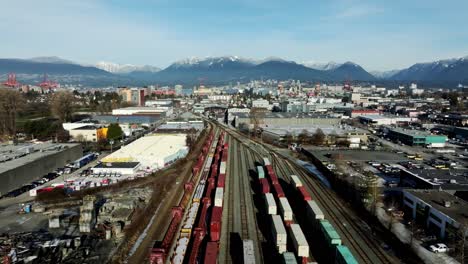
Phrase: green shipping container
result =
(260, 172)
(330, 233)
(289, 258)
(343, 255)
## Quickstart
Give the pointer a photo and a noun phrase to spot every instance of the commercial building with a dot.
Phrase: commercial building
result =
(117, 168)
(379, 120)
(440, 211)
(286, 120)
(21, 164)
(90, 133)
(434, 179)
(133, 95)
(416, 138)
(261, 103)
(166, 110)
(153, 151)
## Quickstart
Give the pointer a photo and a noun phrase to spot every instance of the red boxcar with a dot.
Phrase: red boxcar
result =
(304, 194)
(264, 185)
(211, 253)
(226, 145)
(225, 156)
(221, 180)
(278, 190)
(215, 224)
(214, 170)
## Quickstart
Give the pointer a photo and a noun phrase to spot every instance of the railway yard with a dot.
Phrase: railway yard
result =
(244, 203)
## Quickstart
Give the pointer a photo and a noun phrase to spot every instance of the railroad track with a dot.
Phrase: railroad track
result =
(330, 204)
(360, 244)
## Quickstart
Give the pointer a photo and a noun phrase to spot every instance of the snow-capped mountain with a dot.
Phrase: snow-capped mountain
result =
(322, 66)
(384, 74)
(455, 70)
(208, 62)
(125, 68)
(51, 59)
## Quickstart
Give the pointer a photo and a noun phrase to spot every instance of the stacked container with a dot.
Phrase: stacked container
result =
(279, 233)
(219, 197)
(285, 209)
(299, 241)
(270, 204)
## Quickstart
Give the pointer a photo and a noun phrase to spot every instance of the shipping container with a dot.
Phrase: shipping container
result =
(280, 237)
(219, 196)
(296, 181)
(285, 209)
(211, 253)
(248, 250)
(299, 241)
(344, 256)
(190, 219)
(289, 258)
(260, 172)
(330, 233)
(266, 161)
(314, 212)
(304, 193)
(270, 204)
(221, 180)
(278, 190)
(222, 167)
(264, 185)
(179, 252)
(215, 224)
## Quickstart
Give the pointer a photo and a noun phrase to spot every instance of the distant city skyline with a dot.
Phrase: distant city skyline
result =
(374, 34)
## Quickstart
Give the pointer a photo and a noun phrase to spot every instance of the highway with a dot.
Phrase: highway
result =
(353, 230)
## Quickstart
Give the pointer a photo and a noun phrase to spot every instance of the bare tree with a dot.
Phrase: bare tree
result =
(256, 118)
(304, 136)
(11, 102)
(62, 105)
(318, 138)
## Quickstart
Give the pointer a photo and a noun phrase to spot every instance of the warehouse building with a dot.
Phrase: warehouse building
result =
(24, 163)
(116, 168)
(434, 179)
(153, 152)
(416, 138)
(286, 120)
(440, 211)
(379, 120)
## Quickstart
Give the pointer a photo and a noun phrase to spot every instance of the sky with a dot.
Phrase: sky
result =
(378, 34)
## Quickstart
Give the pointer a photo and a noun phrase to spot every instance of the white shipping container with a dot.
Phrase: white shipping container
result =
(279, 232)
(296, 181)
(249, 255)
(314, 211)
(270, 204)
(285, 209)
(266, 161)
(219, 197)
(281, 248)
(222, 167)
(299, 241)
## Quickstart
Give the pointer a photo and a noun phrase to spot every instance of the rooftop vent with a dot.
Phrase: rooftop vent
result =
(447, 204)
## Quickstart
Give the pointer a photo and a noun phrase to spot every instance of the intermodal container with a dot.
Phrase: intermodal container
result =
(215, 224)
(248, 250)
(285, 209)
(222, 167)
(221, 180)
(280, 238)
(289, 258)
(278, 190)
(266, 161)
(304, 193)
(214, 170)
(330, 233)
(264, 185)
(299, 241)
(296, 181)
(344, 256)
(314, 212)
(270, 204)
(211, 253)
(219, 195)
(260, 172)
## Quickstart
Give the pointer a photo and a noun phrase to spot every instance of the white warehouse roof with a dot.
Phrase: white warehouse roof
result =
(153, 151)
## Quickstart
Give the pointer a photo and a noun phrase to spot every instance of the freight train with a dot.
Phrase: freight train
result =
(197, 239)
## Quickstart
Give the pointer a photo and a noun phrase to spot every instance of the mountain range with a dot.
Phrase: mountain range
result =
(221, 70)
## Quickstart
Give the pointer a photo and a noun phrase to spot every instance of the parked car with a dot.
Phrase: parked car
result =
(438, 248)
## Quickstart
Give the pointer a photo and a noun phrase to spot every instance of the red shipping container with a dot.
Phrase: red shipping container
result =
(278, 190)
(214, 169)
(215, 224)
(264, 185)
(225, 156)
(226, 145)
(211, 253)
(221, 180)
(304, 194)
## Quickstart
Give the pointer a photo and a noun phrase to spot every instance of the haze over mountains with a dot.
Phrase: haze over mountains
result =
(220, 70)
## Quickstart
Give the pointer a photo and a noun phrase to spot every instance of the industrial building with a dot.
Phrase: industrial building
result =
(379, 120)
(21, 164)
(91, 133)
(152, 152)
(440, 211)
(286, 120)
(166, 110)
(416, 137)
(434, 179)
(116, 168)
